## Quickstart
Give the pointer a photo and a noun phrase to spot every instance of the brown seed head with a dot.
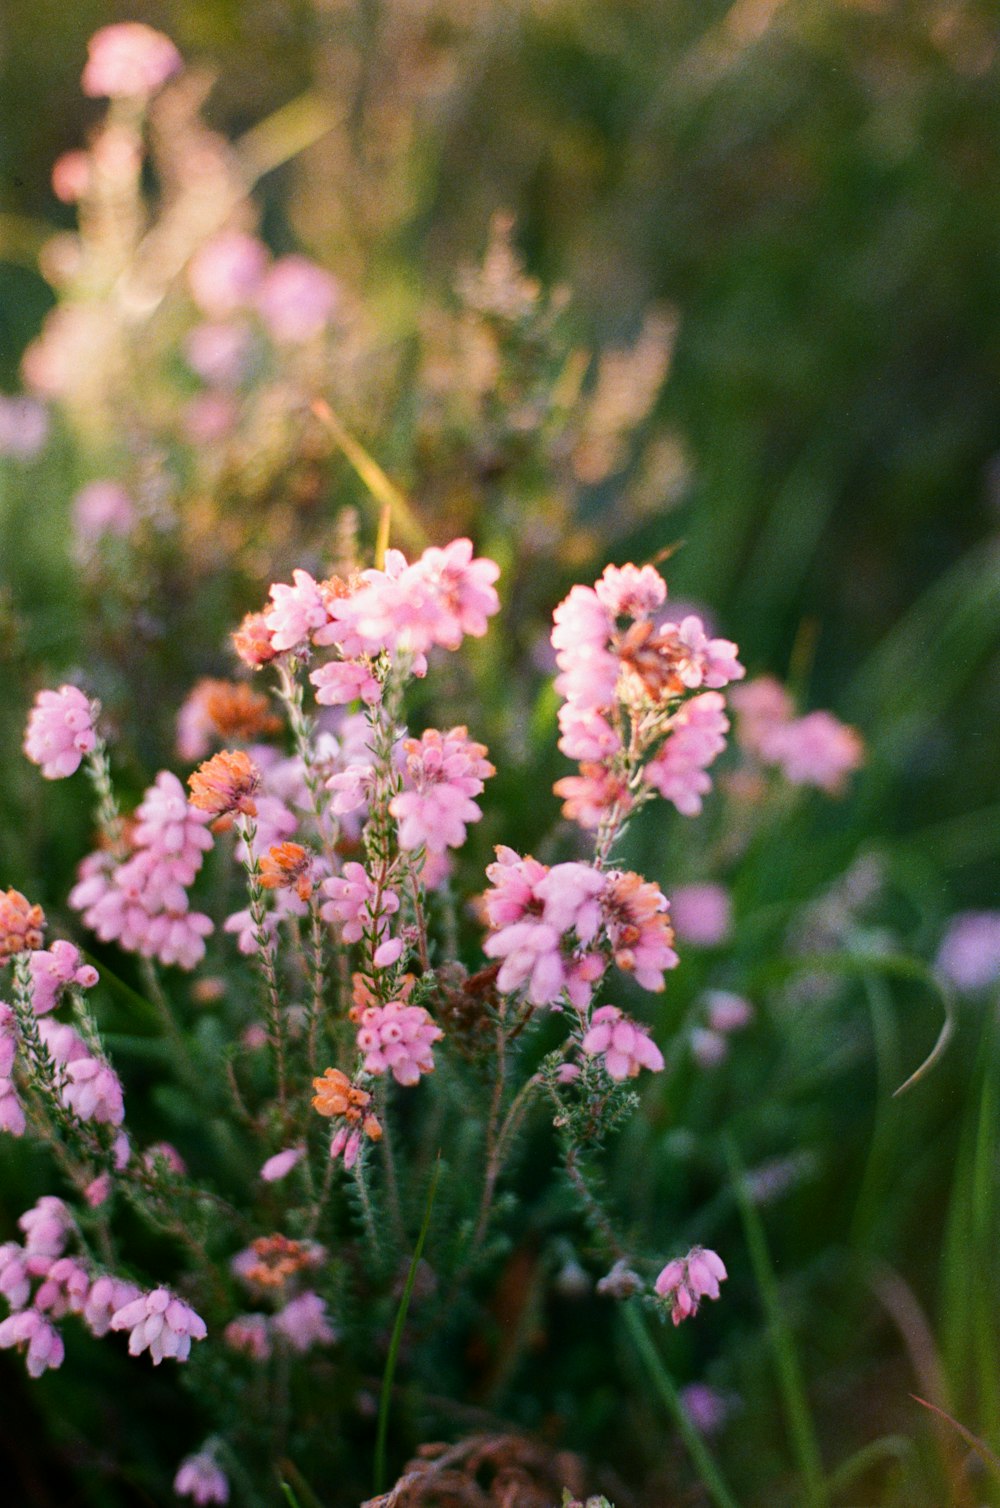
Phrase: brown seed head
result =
(224, 785)
(252, 642)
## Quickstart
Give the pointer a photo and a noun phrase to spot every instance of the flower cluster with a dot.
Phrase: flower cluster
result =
(557, 928)
(627, 671)
(443, 772)
(349, 1105)
(684, 1282)
(60, 731)
(816, 749)
(397, 1038)
(142, 903)
(624, 1046)
(161, 1324)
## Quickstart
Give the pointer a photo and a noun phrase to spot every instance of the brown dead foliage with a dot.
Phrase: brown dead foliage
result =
(485, 1471)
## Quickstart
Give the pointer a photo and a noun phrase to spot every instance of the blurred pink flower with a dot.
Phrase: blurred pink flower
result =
(128, 59)
(200, 1477)
(696, 737)
(28, 1330)
(969, 955)
(281, 1164)
(225, 272)
(303, 1323)
(701, 914)
(52, 969)
(296, 300)
(101, 508)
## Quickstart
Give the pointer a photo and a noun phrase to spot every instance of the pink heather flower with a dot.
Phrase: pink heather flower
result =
(295, 611)
(631, 591)
(708, 1048)
(303, 1323)
(101, 508)
(351, 896)
(817, 749)
(93, 1092)
(586, 734)
(46, 1226)
(210, 417)
(164, 1151)
(161, 1323)
(24, 427)
(443, 772)
(624, 1045)
(580, 635)
(12, 1117)
(542, 917)
(697, 736)
(15, 1282)
(28, 1329)
(700, 914)
(397, 1038)
(128, 59)
(462, 589)
(106, 1296)
(344, 681)
(296, 300)
(64, 1289)
(761, 706)
(725, 1011)
(169, 827)
(52, 970)
(71, 176)
(699, 660)
(225, 272)
(249, 1334)
(687, 1280)
(591, 795)
(969, 955)
(281, 1164)
(60, 731)
(98, 1191)
(638, 925)
(201, 1478)
(217, 351)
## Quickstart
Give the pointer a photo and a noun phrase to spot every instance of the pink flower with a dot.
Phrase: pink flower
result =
(397, 1038)
(462, 589)
(295, 611)
(543, 917)
(15, 1281)
(591, 795)
(296, 300)
(201, 1478)
(281, 1164)
(344, 681)
(106, 1296)
(250, 1335)
(727, 1012)
(708, 1048)
(71, 176)
(699, 660)
(631, 591)
(818, 750)
(64, 1289)
(225, 272)
(52, 970)
(701, 914)
(60, 731)
(687, 1280)
(217, 351)
(443, 772)
(706, 1407)
(969, 955)
(761, 706)
(625, 1046)
(580, 636)
(351, 898)
(47, 1226)
(28, 1329)
(160, 1323)
(303, 1323)
(24, 427)
(128, 59)
(98, 1190)
(638, 926)
(696, 737)
(101, 508)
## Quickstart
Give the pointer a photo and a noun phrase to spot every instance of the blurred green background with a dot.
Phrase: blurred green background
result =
(814, 188)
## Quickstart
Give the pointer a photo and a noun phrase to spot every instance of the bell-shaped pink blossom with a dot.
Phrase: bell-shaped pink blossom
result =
(60, 731)
(29, 1331)
(160, 1323)
(303, 1323)
(397, 1038)
(624, 1045)
(127, 60)
(687, 1280)
(201, 1478)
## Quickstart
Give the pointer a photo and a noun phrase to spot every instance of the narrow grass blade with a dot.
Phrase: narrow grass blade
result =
(789, 1372)
(391, 500)
(302, 1496)
(385, 1398)
(711, 1477)
(988, 1458)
